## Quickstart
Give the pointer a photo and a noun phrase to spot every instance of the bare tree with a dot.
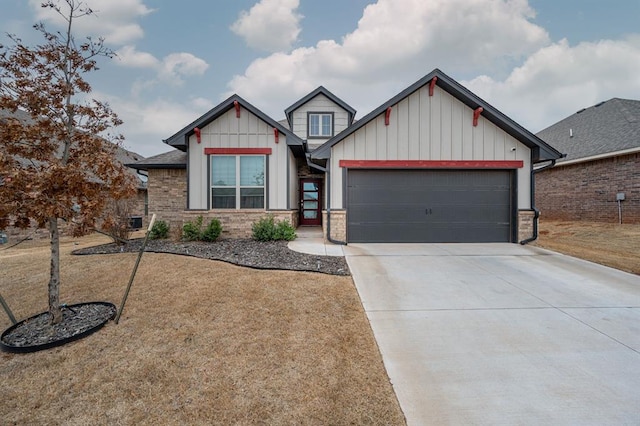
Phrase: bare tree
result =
(59, 162)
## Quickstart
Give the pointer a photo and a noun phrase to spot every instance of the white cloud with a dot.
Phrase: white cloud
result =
(177, 65)
(146, 124)
(391, 47)
(170, 70)
(560, 79)
(128, 56)
(115, 20)
(270, 25)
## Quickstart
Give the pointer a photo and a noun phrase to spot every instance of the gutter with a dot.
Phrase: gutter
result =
(536, 212)
(325, 170)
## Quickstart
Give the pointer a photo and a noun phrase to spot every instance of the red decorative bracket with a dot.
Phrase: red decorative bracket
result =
(196, 130)
(276, 134)
(432, 85)
(386, 116)
(476, 114)
(236, 105)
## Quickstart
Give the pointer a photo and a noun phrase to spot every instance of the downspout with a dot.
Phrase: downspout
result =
(328, 175)
(536, 212)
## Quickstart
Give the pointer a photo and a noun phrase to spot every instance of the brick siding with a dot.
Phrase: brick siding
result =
(587, 191)
(168, 200)
(338, 224)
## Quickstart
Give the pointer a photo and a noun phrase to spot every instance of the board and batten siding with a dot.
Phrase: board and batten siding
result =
(319, 103)
(247, 131)
(438, 128)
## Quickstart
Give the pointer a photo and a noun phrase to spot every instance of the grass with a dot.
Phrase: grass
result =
(199, 342)
(609, 244)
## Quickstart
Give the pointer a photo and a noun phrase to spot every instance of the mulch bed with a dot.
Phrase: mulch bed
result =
(37, 332)
(243, 252)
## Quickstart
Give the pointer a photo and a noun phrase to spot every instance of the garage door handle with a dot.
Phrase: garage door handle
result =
(428, 211)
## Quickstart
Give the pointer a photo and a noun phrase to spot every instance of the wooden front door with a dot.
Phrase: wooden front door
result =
(310, 202)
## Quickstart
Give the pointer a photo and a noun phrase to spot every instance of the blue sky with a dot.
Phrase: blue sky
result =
(537, 61)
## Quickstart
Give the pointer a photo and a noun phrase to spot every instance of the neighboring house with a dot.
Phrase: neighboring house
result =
(602, 144)
(433, 164)
(139, 208)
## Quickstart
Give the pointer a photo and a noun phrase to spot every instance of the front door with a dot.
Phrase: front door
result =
(310, 202)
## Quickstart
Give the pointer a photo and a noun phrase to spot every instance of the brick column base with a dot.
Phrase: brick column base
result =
(338, 224)
(525, 224)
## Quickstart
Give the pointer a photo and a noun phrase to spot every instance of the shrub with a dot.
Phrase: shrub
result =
(191, 231)
(284, 231)
(267, 229)
(160, 230)
(212, 231)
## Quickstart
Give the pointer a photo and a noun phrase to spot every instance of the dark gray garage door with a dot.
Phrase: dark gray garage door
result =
(431, 206)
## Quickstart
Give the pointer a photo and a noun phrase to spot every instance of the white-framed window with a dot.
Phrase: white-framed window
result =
(320, 124)
(237, 181)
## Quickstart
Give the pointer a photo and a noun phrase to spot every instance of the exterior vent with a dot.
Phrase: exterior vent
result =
(599, 103)
(580, 111)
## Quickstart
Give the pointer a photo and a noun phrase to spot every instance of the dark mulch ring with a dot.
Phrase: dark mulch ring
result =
(251, 253)
(37, 333)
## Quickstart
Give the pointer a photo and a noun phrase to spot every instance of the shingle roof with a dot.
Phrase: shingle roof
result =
(168, 160)
(124, 156)
(541, 151)
(604, 128)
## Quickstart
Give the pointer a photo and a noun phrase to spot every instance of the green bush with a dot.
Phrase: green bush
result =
(284, 231)
(212, 231)
(159, 230)
(192, 231)
(267, 229)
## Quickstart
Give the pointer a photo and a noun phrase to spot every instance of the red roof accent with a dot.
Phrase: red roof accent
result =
(386, 116)
(431, 164)
(432, 84)
(237, 151)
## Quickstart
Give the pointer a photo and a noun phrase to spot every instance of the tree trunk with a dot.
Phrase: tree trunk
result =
(54, 277)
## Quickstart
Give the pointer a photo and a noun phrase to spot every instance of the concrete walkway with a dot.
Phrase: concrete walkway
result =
(502, 334)
(310, 240)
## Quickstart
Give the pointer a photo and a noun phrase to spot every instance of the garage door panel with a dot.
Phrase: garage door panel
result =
(429, 206)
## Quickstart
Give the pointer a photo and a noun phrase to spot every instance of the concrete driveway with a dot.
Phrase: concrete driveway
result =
(502, 334)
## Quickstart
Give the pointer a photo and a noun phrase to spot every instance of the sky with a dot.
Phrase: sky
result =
(537, 61)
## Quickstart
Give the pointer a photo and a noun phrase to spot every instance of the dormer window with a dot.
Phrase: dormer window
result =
(320, 124)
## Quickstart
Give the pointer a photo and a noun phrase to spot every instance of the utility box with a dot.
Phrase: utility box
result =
(3, 238)
(620, 196)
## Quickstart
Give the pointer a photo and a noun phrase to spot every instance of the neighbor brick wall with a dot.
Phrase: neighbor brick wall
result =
(33, 232)
(587, 191)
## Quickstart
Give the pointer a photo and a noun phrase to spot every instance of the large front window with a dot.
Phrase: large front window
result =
(237, 181)
(320, 125)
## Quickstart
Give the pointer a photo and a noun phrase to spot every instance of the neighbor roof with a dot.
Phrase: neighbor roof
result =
(168, 160)
(122, 155)
(180, 139)
(606, 128)
(541, 151)
(320, 90)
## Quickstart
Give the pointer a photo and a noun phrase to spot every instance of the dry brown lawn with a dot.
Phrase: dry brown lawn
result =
(200, 342)
(614, 245)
